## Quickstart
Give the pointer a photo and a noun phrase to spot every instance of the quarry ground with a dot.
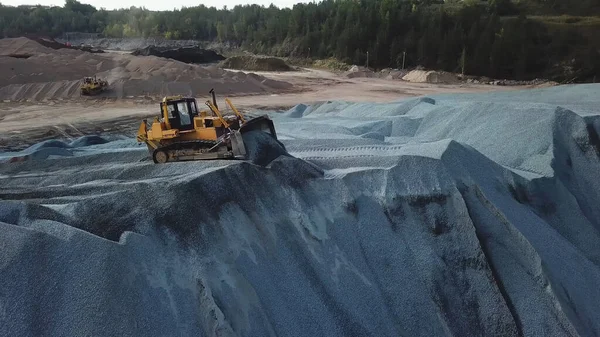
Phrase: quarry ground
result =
(472, 214)
(39, 90)
(25, 123)
(385, 208)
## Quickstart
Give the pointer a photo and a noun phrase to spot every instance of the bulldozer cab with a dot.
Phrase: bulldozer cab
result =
(179, 112)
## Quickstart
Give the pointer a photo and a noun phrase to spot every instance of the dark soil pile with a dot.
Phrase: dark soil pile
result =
(192, 54)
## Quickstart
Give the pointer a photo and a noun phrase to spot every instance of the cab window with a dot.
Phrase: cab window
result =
(194, 108)
(171, 110)
(184, 114)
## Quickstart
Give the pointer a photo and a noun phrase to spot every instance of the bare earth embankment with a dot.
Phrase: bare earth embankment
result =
(39, 97)
(32, 72)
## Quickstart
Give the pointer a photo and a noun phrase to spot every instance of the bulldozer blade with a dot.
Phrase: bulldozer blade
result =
(237, 145)
(261, 123)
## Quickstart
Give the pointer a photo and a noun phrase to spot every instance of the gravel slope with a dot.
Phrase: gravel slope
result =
(443, 215)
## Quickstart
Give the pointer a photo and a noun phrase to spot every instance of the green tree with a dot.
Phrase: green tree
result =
(493, 38)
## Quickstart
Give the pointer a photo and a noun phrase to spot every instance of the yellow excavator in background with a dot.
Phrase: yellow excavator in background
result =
(92, 86)
(183, 132)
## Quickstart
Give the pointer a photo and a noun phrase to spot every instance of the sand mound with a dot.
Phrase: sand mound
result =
(424, 76)
(393, 74)
(363, 72)
(55, 74)
(356, 68)
(358, 71)
(22, 46)
(255, 63)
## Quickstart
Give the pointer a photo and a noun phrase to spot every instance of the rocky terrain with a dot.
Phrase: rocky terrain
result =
(441, 215)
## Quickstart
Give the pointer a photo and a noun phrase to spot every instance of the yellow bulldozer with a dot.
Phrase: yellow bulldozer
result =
(92, 86)
(183, 132)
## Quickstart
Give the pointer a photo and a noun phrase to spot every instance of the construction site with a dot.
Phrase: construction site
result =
(142, 195)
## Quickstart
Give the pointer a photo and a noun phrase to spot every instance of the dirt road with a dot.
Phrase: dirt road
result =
(321, 85)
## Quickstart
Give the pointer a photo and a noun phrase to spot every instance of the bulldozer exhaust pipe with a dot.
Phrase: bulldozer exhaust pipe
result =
(214, 97)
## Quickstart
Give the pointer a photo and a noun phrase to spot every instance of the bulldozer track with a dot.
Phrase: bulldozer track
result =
(341, 157)
(383, 148)
(356, 148)
(188, 145)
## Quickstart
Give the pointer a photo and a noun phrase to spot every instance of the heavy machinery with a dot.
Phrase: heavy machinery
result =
(183, 132)
(92, 86)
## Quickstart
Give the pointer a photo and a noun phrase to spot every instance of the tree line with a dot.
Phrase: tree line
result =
(495, 38)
